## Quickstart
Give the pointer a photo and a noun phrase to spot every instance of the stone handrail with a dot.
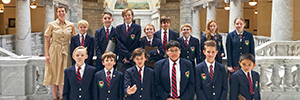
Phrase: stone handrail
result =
(279, 48)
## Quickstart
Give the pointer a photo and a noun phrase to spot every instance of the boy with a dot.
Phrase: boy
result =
(165, 34)
(244, 84)
(139, 79)
(189, 45)
(83, 39)
(174, 76)
(156, 52)
(108, 83)
(103, 36)
(211, 77)
(127, 40)
(78, 78)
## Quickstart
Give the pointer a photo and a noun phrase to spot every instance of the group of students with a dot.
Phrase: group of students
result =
(177, 69)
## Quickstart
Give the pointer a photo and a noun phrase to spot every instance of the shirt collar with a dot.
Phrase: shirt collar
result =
(139, 68)
(82, 67)
(128, 24)
(239, 33)
(188, 39)
(59, 22)
(149, 39)
(111, 71)
(246, 72)
(109, 28)
(83, 35)
(208, 64)
(171, 62)
(164, 30)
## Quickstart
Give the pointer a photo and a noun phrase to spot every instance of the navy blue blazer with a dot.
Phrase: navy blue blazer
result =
(101, 89)
(126, 44)
(162, 79)
(145, 90)
(101, 41)
(172, 35)
(207, 90)
(235, 48)
(239, 85)
(191, 51)
(153, 53)
(88, 43)
(219, 44)
(72, 89)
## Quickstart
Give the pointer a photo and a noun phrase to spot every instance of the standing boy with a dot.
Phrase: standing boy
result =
(189, 45)
(244, 84)
(83, 39)
(165, 34)
(103, 36)
(211, 77)
(139, 79)
(79, 77)
(174, 76)
(108, 83)
(128, 35)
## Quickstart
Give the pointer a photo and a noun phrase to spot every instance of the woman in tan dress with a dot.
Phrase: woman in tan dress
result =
(57, 51)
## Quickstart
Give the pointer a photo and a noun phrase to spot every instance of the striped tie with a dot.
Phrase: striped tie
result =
(140, 73)
(127, 29)
(250, 84)
(165, 41)
(78, 75)
(107, 33)
(149, 42)
(211, 73)
(186, 42)
(108, 78)
(82, 41)
(174, 82)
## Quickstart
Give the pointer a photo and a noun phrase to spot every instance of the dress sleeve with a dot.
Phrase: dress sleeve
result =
(48, 30)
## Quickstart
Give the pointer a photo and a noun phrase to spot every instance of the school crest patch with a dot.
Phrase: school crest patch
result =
(192, 48)
(113, 39)
(219, 43)
(132, 36)
(247, 42)
(187, 74)
(101, 84)
(203, 76)
(256, 84)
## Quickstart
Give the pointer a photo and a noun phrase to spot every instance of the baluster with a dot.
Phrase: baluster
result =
(40, 78)
(263, 77)
(297, 78)
(275, 78)
(287, 78)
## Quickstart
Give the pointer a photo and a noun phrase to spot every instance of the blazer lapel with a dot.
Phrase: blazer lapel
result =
(86, 40)
(205, 70)
(167, 70)
(77, 39)
(74, 75)
(136, 75)
(216, 72)
(86, 74)
(244, 77)
(113, 78)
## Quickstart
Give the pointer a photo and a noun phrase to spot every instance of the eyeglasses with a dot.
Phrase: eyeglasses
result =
(174, 51)
(185, 30)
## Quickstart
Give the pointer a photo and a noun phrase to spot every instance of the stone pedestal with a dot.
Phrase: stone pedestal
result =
(282, 20)
(196, 22)
(23, 28)
(236, 10)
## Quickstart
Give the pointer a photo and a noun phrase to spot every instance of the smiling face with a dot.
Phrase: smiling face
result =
(140, 60)
(239, 25)
(109, 63)
(210, 52)
(128, 17)
(149, 31)
(186, 31)
(246, 65)
(173, 53)
(79, 56)
(107, 20)
(213, 27)
(165, 25)
(82, 28)
(61, 13)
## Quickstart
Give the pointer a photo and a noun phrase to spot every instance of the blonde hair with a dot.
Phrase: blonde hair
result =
(79, 47)
(186, 25)
(149, 25)
(207, 31)
(83, 22)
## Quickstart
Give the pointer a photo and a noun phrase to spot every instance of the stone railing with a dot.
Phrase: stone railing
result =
(279, 48)
(37, 43)
(258, 40)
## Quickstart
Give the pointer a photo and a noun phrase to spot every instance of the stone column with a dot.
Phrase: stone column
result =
(211, 12)
(236, 10)
(282, 20)
(185, 12)
(49, 11)
(23, 28)
(196, 22)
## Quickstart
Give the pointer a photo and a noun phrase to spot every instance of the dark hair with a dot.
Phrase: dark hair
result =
(108, 55)
(209, 43)
(139, 52)
(164, 19)
(108, 13)
(61, 6)
(248, 56)
(173, 43)
(125, 11)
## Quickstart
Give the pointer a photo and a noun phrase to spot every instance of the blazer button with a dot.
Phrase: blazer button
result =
(79, 89)
(187, 57)
(240, 47)
(213, 86)
(141, 88)
(214, 94)
(107, 98)
(140, 96)
(79, 96)
(108, 91)
(241, 53)
(187, 51)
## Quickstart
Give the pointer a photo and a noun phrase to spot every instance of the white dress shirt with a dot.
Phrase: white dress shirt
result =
(142, 72)
(208, 65)
(162, 35)
(81, 70)
(111, 72)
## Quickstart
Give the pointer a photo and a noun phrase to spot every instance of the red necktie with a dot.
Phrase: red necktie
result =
(140, 74)
(82, 41)
(78, 75)
(107, 33)
(211, 73)
(108, 78)
(174, 82)
(250, 84)
(127, 29)
(149, 42)
(165, 41)
(186, 42)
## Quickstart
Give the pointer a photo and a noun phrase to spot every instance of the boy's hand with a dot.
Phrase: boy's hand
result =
(170, 99)
(230, 69)
(47, 59)
(157, 51)
(131, 90)
(222, 55)
(125, 61)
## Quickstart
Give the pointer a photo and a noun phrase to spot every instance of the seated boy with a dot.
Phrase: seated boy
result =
(75, 85)
(139, 79)
(244, 84)
(108, 83)
(211, 77)
(85, 40)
